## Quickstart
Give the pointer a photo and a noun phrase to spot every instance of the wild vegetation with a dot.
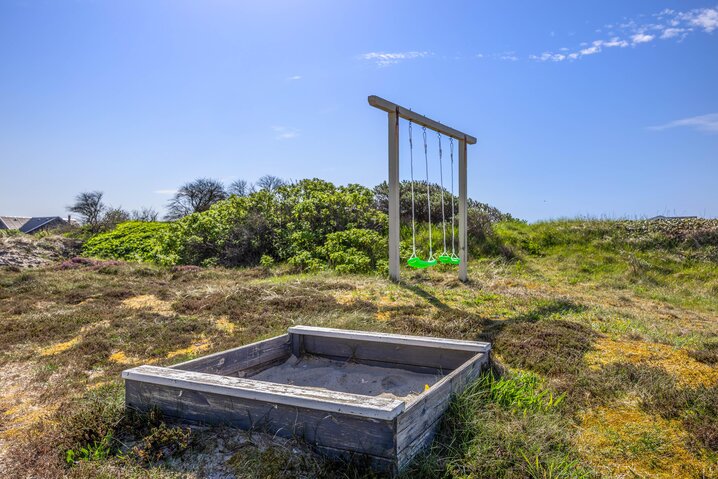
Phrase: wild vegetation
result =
(309, 225)
(605, 339)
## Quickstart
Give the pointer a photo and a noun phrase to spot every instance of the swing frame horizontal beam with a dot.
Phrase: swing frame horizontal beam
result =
(405, 113)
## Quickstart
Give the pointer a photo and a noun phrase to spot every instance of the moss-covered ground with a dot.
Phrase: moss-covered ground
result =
(605, 340)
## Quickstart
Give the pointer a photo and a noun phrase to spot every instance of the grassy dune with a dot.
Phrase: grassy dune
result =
(605, 337)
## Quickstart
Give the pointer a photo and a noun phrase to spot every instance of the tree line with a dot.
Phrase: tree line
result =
(192, 197)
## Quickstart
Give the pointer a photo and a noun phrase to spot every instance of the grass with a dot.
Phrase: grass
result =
(605, 338)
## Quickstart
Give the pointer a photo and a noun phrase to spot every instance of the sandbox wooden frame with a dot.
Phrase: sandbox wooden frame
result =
(385, 433)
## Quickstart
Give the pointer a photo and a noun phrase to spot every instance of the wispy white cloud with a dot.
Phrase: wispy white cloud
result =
(665, 25)
(509, 56)
(165, 192)
(384, 59)
(285, 132)
(294, 78)
(615, 42)
(641, 38)
(673, 33)
(705, 123)
(704, 18)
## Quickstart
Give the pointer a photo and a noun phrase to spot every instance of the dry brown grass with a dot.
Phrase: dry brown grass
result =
(68, 333)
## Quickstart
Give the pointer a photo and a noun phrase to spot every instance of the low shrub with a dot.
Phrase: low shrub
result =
(356, 251)
(130, 241)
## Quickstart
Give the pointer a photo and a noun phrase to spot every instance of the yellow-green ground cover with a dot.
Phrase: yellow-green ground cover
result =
(606, 362)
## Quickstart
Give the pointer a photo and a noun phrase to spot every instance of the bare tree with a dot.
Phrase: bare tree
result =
(90, 207)
(194, 197)
(144, 214)
(241, 188)
(113, 217)
(270, 183)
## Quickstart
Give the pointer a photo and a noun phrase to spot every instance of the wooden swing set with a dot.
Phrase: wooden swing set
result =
(395, 112)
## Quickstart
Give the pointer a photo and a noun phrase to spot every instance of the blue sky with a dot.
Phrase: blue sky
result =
(601, 108)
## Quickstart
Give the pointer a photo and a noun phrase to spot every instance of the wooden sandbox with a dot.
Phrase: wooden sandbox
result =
(351, 395)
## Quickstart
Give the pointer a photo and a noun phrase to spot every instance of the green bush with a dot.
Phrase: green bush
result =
(289, 224)
(309, 224)
(356, 251)
(132, 241)
(312, 209)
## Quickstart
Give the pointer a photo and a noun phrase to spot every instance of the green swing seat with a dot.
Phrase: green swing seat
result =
(447, 259)
(419, 263)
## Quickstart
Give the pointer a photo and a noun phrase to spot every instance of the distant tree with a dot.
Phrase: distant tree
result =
(144, 214)
(270, 183)
(113, 217)
(240, 188)
(90, 207)
(194, 197)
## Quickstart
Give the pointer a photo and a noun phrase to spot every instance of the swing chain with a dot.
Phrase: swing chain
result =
(441, 181)
(411, 161)
(451, 154)
(428, 194)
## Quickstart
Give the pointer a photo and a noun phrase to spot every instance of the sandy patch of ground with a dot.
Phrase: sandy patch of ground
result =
(201, 344)
(26, 251)
(677, 362)
(18, 404)
(149, 302)
(313, 371)
(119, 357)
(622, 441)
(63, 346)
(58, 348)
(224, 325)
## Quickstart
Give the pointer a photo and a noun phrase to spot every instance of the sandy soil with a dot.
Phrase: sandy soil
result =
(26, 251)
(348, 377)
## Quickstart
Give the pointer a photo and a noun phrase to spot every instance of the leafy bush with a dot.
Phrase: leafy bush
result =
(356, 251)
(133, 241)
(312, 209)
(309, 224)
(290, 223)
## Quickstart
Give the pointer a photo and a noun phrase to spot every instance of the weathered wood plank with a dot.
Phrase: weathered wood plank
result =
(244, 358)
(353, 434)
(405, 457)
(300, 396)
(394, 339)
(407, 356)
(423, 415)
(407, 114)
(376, 463)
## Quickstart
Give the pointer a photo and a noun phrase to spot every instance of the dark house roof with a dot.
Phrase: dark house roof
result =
(27, 224)
(13, 222)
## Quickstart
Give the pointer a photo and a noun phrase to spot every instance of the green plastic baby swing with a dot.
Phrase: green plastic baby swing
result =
(414, 261)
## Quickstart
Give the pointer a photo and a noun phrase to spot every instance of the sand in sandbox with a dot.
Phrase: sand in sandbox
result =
(348, 377)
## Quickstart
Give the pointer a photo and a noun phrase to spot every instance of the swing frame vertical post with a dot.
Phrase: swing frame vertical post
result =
(395, 112)
(394, 187)
(463, 238)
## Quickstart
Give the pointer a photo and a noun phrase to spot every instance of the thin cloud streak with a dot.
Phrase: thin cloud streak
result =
(705, 123)
(285, 133)
(384, 59)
